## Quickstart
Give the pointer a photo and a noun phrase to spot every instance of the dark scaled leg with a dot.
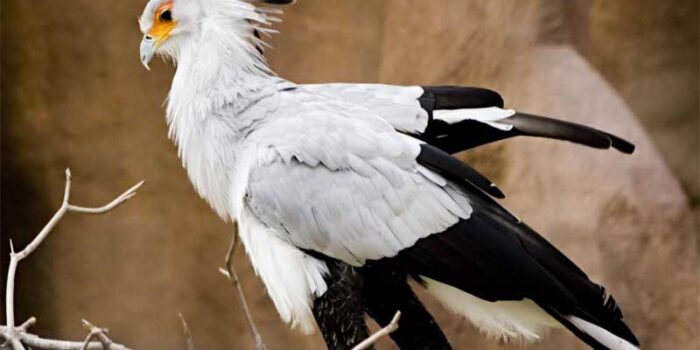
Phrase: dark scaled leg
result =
(385, 290)
(339, 312)
(380, 289)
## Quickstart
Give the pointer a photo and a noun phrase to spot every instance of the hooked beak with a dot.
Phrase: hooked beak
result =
(148, 49)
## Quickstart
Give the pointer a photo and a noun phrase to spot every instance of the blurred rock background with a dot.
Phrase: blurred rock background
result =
(75, 95)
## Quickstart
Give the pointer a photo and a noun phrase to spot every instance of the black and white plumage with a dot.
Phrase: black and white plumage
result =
(460, 134)
(361, 174)
(455, 118)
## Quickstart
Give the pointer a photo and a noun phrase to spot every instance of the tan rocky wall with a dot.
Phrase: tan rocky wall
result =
(74, 94)
(650, 55)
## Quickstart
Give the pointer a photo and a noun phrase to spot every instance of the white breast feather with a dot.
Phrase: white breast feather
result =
(292, 278)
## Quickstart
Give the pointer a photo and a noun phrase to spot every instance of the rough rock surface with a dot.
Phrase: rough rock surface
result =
(75, 94)
(651, 58)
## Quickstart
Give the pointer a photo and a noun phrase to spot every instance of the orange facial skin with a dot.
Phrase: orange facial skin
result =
(163, 23)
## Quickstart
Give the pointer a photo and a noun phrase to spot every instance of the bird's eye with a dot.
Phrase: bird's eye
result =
(166, 16)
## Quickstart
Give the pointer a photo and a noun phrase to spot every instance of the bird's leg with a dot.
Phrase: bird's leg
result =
(386, 290)
(339, 312)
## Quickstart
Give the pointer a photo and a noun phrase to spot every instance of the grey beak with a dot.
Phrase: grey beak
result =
(147, 50)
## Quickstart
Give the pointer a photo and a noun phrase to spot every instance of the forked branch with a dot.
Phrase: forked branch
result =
(16, 336)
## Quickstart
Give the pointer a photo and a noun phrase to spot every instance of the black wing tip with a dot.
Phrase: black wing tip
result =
(622, 145)
(496, 192)
(445, 163)
(630, 337)
(620, 329)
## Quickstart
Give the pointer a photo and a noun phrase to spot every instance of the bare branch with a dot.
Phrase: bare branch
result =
(111, 205)
(66, 191)
(36, 342)
(15, 341)
(28, 323)
(391, 327)
(188, 336)
(88, 340)
(230, 273)
(100, 333)
(10, 332)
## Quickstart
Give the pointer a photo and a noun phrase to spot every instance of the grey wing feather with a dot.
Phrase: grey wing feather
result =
(399, 105)
(345, 194)
(348, 215)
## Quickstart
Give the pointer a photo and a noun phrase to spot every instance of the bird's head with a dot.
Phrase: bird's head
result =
(168, 25)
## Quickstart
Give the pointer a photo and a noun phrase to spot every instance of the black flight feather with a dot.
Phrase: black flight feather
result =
(532, 125)
(455, 97)
(494, 256)
(468, 134)
(490, 257)
(435, 158)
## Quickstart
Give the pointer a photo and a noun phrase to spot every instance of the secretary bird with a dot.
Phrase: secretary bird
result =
(336, 181)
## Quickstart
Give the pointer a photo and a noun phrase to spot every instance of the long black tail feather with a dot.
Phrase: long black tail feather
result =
(469, 133)
(532, 125)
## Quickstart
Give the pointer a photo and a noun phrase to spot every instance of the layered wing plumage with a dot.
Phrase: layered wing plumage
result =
(351, 188)
(348, 186)
(398, 105)
(458, 118)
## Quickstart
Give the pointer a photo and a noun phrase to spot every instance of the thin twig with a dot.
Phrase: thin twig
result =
(100, 333)
(13, 333)
(230, 273)
(36, 342)
(391, 327)
(28, 323)
(188, 335)
(88, 340)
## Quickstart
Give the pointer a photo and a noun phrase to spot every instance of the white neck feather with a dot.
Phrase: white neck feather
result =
(219, 67)
(219, 75)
